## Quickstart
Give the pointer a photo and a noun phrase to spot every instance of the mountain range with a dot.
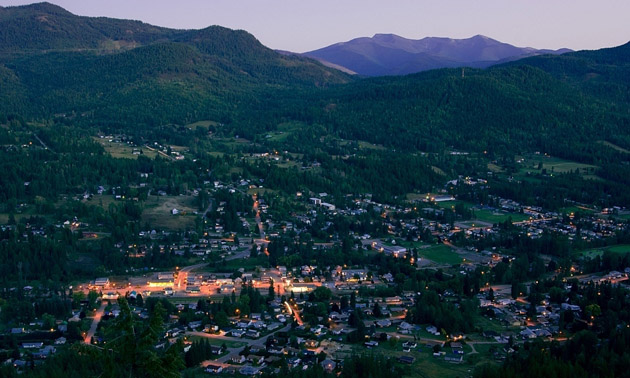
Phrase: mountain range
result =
(390, 54)
(136, 77)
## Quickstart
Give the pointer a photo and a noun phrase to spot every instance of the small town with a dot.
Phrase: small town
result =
(256, 297)
(314, 189)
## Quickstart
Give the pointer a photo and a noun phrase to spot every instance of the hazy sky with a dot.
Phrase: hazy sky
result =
(304, 25)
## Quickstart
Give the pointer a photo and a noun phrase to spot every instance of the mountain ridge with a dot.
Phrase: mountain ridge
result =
(55, 62)
(390, 54)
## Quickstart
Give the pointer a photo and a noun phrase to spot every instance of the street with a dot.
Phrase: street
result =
(98, 315)
(261, 342)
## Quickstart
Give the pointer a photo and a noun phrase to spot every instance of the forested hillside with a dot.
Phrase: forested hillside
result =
(46, 27)
(54, 62)
(574, 106)
(556, 104)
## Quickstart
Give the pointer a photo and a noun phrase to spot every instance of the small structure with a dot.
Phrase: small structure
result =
(214, 369)
(328, 365)
(37, 345)
(406, 359)
(249, 370)
(101, 282)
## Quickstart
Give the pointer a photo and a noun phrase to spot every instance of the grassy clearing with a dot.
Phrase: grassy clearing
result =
(123, 150)
(289, 164)
(157, 212)
(622, 248)
(554, 165)
(575, 209)
(438, 171)
(201, 124)
(440, 254)
(284, 130)
(425, 365)
(487, 324)
(429, 366)
(490, 216)
(103, 201)
(590, 253)
(370, 146)
(4, 217)
(494, 168)
(261, 191)
(613, 146)
(277, 136)
(452, 204)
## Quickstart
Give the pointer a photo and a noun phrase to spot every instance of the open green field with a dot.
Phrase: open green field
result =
(123, 150)
(367, 145)
(487, 324)
(289, 164)
(101, 200)
(157, 212)
(363, 145)
(428, 366)
(440, 254)
(284, 130)
(452, 204)
(201, 124)
(494, 168)
(488, 216)
(575, 209)
(4, 217)
(590, 253)
(622, 248)
(277, 136)
(499, 216)
(425, 366)
(554, 165)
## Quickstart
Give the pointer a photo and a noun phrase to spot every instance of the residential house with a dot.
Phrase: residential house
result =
(214, 369)
(328, 365)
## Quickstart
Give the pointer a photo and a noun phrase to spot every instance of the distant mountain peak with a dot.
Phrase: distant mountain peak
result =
(391, 54)
(387, 36)
(44, 7)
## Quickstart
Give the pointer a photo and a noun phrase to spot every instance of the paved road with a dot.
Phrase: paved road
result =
(239, 255)
(232, 352)
(97, 318)
(261, 230)
(295, 311)
(183, 274)
(159, 152)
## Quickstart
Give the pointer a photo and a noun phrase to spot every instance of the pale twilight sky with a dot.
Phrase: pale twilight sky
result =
(304, 25)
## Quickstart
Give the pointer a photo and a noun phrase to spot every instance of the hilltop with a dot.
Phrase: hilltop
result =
(54, 62)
